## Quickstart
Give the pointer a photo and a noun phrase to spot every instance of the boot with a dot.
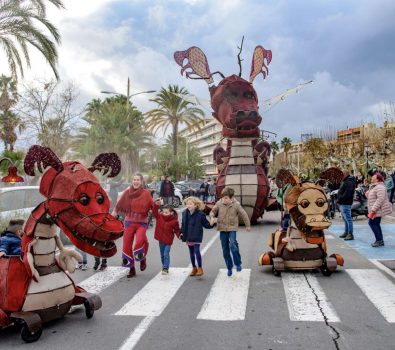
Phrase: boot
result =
(143, 265)
(349, 237)
(194, 271)
(199, 271)
(344, 235)
(378, 244)
(132, 272)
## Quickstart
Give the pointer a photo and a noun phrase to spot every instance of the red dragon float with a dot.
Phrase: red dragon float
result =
(243, 164)
(36, 287)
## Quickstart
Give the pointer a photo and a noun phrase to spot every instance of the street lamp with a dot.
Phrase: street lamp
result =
(128, 95)
(367, 149)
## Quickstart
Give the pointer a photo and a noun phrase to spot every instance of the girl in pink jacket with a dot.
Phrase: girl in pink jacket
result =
(379, 206)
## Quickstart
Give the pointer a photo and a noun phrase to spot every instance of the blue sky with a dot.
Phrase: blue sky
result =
(346, 47)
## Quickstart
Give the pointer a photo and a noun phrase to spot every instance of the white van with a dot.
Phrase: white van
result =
(19, 200)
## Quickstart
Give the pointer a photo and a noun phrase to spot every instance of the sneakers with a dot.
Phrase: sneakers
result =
(349, 237)
(132, 272)
(344, 235)
(82, 267)
(103, 267)
(165, 271)
(238, 268)
(96, 266)
(378, 244)
(230, 273)
(143, 264)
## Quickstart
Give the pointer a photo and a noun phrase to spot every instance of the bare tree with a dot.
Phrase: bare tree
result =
(49, 112)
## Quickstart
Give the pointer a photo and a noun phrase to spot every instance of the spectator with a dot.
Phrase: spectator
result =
(393, 188)
(204, 190)
(359, 178)
(10, 241)
(389, 185)
(379, 206)
(211, 191)
(166, 191)
(345, 198)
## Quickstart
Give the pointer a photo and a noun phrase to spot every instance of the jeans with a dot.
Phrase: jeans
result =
(84, 256)
(167, 200)
(165, 254)
(229, 244)
(194, 252)
(345, 210)
(376, 228)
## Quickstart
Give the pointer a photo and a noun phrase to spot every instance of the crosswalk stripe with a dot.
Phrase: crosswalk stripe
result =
(378, 288)
(156, 294)
(103, 279)
(306, 300)
(227, 300)
(327, 236)
(382, 267)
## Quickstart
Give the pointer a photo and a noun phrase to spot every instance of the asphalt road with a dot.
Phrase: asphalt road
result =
(352, 309)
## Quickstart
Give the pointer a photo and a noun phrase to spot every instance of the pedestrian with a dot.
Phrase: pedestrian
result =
(101, 267)
(389, 185)
(193, 221)
(379, 206)
(359, 178)
(10, 241)
(166, 191)
(393, 188)
(84, 265)
(203, 191)
(228, 210)
(345, 197)
(166, 227)
(212, 188)
(115, 186)
(135, 204)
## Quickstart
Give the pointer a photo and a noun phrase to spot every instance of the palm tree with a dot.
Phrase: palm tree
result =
(8, 93)
(172, 111)
(9, 121)
(286, 144)
(21, 24)
(274, 148)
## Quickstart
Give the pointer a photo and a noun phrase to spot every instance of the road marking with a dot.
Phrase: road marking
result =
(382, 267)
(156, 294)
(143, 326)
(378, 288)
(227, 300)
(103, 279)
(302, 291)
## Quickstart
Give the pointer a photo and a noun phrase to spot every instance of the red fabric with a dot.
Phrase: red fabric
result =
(14, 282)
(135, 204)
(166, 226)
(132, 232)
(167, 189)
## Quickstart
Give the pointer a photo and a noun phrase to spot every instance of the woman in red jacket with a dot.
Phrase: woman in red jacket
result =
(135, 204)
(166, 227)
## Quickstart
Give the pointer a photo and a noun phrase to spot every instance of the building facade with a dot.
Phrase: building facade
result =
(205, 141)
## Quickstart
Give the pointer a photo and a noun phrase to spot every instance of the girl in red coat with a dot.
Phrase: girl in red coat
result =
(135, 203)
(166, 227)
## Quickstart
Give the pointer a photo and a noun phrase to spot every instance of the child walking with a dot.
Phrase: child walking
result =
(166, 227)
(227, 211)
(193, 221)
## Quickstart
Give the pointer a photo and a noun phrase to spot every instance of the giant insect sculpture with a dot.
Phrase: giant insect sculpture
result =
(302, 246)
(36, 287)
(243, 165)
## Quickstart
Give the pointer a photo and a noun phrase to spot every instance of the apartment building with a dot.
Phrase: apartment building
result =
(205, 141)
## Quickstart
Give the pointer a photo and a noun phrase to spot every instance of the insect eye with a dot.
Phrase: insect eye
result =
(248, 95)
(84, 199)
(99, 198)
(304, 203)
(320, 202)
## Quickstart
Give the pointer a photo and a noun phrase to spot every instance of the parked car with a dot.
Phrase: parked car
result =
(19, 201)
(177, 199)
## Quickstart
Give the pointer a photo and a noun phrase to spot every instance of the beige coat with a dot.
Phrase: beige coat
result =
(228, 216)
(378, 201)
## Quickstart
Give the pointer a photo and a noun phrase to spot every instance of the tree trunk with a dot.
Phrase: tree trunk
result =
(175, 135)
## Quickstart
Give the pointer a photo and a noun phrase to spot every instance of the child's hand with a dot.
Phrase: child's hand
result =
(157, 202)
(180, 237)
(2, 254)
(212, 221)
(248, 229)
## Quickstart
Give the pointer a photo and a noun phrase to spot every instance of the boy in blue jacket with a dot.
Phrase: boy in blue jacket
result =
(10, 241)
